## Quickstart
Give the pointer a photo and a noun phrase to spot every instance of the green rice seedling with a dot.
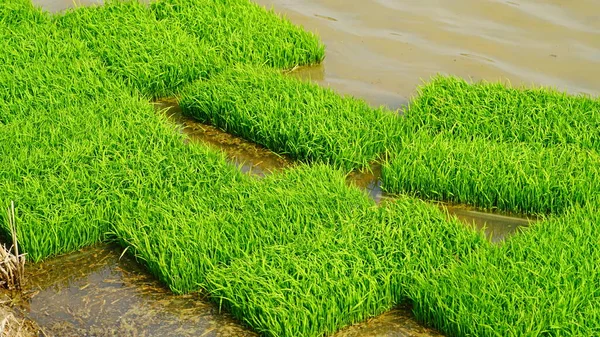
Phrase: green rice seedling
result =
(183, 242)
(16, 13)
(42, 69)
(78, 147)
(542, 282)
(244, 32)
(498, 112)
(296, 118)
(155, 56)
(514, 177)
(357, 268)
(45, 165)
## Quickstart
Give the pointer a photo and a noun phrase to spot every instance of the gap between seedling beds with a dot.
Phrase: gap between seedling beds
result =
(259, 161)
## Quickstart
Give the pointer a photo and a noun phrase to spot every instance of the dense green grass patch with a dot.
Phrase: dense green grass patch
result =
(498, 112)
(299, 253)
(541, 282)
(182, 243)
(155, 56)
(244, 32)
(78, 147)
(341, 275)
(47, 163)
(14, 13)
(515, 177)
(292, 117)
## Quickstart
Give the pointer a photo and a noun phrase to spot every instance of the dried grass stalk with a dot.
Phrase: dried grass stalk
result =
(12, 264)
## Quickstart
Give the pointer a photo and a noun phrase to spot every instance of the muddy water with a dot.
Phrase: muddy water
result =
(382, 49)
(249, 157)
(96, 292)
(55, 6)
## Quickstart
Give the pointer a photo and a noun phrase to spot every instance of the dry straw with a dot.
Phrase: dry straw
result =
(12, 265)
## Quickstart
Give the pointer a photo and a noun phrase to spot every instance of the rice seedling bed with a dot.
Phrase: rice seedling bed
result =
(155, 56)
(244, 32)
(79, 147)
(499, 112)
(46, 151)
(296, 118)
(213, 229)
(86, 159)
(541, 282)
(301, 253)
(513, 177)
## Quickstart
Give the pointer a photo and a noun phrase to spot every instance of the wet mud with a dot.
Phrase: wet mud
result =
(98, 292)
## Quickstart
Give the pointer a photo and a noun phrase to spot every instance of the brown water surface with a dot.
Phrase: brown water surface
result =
(381, 50)
(96, 292)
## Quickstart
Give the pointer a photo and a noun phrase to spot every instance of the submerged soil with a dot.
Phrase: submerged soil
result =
(96, 292)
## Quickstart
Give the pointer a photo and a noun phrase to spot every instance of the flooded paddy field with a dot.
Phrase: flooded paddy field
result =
(100, 291)
(378, 51)
(382, 50)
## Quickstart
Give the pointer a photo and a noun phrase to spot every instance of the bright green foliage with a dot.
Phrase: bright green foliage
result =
(244, 32)
(78, 148)
(15, 13)
(516, 177)
(301, 253)
(543, 282)
(497, 112)
(50, 161)
(292, 117)
(183, 242)
(155, 56)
